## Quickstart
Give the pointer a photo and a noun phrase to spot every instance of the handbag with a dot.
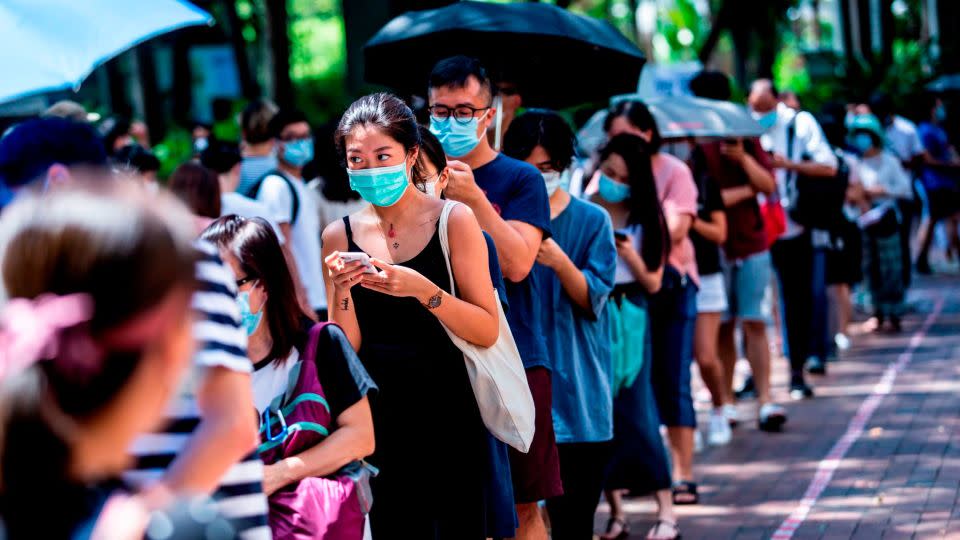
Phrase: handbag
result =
(331, 507)
(628, 326)
(818, 202)
(496, 373)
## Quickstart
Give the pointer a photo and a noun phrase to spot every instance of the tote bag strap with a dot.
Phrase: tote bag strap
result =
(445, 241)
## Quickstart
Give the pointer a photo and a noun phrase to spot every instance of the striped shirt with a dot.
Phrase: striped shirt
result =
(253, 168)
(221, 342)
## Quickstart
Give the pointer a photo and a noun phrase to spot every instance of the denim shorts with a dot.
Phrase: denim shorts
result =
(749, 293)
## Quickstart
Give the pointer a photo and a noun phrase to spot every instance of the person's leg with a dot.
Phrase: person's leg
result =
(819, 330)
(758, 355)
(536, 474)
(531, 525)
(706, 334)
(581, 468)
(617, 523)
(665, 514)
(793, 259)
(727, 352)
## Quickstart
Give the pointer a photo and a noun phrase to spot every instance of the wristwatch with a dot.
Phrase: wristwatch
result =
(434, 301)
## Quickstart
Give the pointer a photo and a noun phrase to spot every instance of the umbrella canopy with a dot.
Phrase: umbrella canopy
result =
(680, 117)
(946, 83)
(54, 44)
(688, 116)
(557, 58)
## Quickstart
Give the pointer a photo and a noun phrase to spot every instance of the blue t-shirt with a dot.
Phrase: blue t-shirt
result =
(935, 142)
(517, 192)
(577, 340)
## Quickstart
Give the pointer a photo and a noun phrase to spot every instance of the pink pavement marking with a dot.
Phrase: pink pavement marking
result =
(828, 465)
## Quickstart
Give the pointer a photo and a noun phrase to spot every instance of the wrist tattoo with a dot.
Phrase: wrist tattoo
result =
(345, 304)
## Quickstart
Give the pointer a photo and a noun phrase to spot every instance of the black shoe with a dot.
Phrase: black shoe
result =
(748, 390)
(799, 389)
(895, 324)
(923, 267)
(816, 366)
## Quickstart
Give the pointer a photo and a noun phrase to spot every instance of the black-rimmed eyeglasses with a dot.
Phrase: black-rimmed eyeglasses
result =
(461, 113)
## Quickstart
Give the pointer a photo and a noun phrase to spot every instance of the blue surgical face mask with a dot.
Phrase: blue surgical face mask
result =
(298, 152)
(556, 180)
(766, 120)
(457, 139)
(613, 191)
(380, 186)
(250, 321)
(861, 142)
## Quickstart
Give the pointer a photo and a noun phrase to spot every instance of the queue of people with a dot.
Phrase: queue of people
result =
(293, 347)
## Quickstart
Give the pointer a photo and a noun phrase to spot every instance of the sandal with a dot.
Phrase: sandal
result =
(685, 493)
(656, 528)
(624, 529)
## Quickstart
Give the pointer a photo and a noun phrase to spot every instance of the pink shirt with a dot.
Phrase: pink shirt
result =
(678, 196)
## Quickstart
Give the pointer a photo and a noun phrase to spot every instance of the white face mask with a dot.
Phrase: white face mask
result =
(430, 189)
(556, 180)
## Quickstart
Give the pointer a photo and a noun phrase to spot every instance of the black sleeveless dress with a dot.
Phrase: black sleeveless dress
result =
(431, 441)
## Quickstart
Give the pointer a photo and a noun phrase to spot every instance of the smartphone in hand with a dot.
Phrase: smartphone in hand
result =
(352, 256)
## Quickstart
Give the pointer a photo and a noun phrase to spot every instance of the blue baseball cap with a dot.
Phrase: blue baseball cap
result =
(28, 149)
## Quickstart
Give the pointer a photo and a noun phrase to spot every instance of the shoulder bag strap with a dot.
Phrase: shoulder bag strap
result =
(445, 241)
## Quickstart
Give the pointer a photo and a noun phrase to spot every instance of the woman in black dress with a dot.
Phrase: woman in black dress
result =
(430, 439)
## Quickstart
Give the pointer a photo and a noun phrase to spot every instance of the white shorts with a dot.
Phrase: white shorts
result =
(712, 296)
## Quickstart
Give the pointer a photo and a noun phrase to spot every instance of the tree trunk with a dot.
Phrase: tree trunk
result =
(280, 52)
(117, 82)
(182, 80)
(720, 23)
(248, 83)
(152, 109)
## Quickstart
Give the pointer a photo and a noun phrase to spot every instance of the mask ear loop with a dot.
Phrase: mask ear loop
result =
(498, 103)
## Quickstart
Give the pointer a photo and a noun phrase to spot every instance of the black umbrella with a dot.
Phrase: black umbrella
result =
(557, 58)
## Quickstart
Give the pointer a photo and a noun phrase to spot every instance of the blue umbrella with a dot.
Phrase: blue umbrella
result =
(558, 58)
(48, 45)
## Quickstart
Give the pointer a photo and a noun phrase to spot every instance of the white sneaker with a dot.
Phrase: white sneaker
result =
(771, 417)
(842, 341)
(731, 414)
(697, 441)
(719, 432)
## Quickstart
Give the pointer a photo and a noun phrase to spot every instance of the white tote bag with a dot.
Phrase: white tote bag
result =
(496, 373)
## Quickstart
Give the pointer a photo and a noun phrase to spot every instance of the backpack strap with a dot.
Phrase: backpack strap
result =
(254, 191)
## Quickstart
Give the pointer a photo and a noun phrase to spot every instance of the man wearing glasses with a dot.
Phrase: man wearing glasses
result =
(510, 201)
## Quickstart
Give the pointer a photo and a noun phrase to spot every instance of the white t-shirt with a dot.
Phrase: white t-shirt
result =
(883, 170)
(808, 141)
(272, 380)
(903, 139)
(235, 203)
(305, 232)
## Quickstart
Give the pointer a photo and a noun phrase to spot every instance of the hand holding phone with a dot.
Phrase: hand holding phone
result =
(352, 256)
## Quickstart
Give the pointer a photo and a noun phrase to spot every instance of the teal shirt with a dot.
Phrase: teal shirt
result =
(578, 340)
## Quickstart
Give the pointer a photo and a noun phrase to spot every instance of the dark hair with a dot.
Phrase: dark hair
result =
(284, 118)
(136, 157)
(455, 71)
(386, 112)
(128, 251)
(644, 202)
(220, 156)
(711, 84)
(255, 245)
(112, 129)
(198, 187)
(255, 121)
(31, 147)
(540, 128)
(637, 113)
(430, 150)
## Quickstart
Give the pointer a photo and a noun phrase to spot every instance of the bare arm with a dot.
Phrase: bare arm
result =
(679, 225)
(352, 440)
(650, 281)
(517, 243)
(339, 280)
(227, 432)
(736, 195)
(573, 281)
(761, 180)
(714, 230)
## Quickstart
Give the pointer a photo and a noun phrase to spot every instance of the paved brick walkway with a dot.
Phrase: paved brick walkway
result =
(898, 479)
